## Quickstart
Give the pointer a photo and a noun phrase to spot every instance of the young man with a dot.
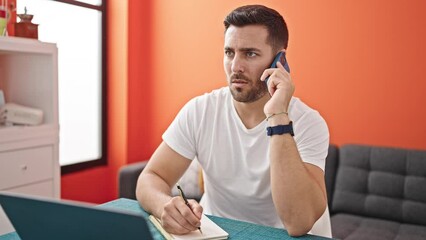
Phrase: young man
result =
(275, 180)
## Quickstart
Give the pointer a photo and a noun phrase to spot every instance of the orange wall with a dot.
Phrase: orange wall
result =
(360, 63)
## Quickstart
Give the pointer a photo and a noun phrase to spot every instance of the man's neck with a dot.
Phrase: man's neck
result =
(251, 114)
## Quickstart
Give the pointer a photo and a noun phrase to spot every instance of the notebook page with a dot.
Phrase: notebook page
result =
(211, 231)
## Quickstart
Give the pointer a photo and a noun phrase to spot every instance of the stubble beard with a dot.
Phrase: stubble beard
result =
(258, 90)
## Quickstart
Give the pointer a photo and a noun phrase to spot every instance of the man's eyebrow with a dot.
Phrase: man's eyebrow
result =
(243, 49)
(249, 49)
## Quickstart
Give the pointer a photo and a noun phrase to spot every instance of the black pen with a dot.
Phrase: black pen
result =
(186, 200)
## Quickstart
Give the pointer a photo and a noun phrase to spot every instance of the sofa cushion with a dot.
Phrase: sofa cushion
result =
(347, 226)
(381, 182)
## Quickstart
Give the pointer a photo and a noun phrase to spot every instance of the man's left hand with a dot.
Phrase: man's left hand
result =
(281, 88)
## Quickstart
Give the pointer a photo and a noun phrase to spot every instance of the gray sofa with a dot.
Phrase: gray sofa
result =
(379, 193)
(373, 192)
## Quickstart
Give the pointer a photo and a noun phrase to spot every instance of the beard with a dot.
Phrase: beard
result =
(256, 89)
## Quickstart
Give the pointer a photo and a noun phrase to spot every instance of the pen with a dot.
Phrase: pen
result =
(186, 200)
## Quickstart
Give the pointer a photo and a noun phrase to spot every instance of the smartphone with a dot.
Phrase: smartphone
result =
(279, 57)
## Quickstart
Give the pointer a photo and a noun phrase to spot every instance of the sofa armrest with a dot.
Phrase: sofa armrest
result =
(331, 165)
(127, 179)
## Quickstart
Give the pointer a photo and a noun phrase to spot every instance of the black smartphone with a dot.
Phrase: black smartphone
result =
(279, 57)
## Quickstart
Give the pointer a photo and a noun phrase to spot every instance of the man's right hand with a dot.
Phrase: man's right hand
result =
(153, 189)
(178, 218)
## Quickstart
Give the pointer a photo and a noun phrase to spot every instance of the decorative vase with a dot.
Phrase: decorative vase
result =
(25, 28)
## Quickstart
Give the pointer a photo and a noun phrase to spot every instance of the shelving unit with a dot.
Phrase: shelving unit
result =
(29, 155)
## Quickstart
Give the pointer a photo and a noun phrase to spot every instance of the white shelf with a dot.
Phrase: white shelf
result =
(21, 133)
(28, 74)
(16, 45)
(29, 155)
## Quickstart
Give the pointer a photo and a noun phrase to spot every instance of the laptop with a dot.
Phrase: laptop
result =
(39, 218)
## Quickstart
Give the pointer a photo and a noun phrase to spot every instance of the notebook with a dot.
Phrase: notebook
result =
(41, 218)
(210, 230)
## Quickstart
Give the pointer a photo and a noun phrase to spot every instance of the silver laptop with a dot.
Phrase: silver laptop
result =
(39, 218)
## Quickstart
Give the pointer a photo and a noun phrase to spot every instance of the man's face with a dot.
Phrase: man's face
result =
(246, 56)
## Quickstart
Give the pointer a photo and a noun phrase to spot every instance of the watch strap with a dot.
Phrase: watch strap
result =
(280, 129)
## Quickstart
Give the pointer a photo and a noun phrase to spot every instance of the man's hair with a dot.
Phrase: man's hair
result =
(264, 16)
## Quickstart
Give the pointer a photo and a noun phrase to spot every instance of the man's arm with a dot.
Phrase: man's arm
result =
(153, 191)
(298, 188)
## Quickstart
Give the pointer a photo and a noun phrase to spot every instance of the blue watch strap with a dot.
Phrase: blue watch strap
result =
(280, 129)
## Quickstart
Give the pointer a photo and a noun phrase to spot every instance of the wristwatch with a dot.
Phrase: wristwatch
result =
(280, 129)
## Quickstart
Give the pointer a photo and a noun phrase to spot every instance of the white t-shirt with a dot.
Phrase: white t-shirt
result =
(235, 160)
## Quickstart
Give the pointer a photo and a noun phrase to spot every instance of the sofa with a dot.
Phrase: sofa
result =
(373, 192)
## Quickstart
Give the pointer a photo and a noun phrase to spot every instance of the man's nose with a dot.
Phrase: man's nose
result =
(237, 65)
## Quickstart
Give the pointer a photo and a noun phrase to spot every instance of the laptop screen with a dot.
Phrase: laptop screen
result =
(40, 218)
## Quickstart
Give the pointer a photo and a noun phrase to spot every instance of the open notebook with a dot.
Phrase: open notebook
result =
(210, 230)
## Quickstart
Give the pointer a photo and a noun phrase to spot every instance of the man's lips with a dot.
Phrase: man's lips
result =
(239, 81)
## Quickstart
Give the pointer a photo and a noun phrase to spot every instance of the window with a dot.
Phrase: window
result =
(78, 29)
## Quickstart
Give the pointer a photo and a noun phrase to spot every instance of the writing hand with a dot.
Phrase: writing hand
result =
(178, 218)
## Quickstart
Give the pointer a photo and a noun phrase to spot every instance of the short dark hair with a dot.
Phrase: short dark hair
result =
(264, 16)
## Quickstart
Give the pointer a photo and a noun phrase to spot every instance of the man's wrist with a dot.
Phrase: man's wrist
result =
(280, 130)
(281, 119)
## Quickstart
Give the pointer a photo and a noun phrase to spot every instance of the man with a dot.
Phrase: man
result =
(275, 180)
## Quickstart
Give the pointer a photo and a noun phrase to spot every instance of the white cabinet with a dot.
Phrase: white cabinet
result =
(29, 155)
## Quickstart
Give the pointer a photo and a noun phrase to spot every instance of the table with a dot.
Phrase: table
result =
(236, 229)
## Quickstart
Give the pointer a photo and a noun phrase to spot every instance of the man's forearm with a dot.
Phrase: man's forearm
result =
(298, 197)
(152, 193)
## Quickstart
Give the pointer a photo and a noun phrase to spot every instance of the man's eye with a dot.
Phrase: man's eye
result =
(251, 54)
(228, 53)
